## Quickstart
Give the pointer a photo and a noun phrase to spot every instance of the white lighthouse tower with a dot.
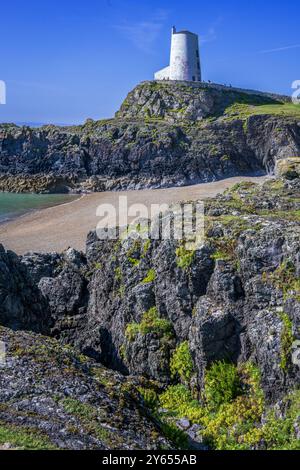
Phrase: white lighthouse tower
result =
(185, 58)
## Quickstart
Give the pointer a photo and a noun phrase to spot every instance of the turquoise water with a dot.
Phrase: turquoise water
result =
(13, 205)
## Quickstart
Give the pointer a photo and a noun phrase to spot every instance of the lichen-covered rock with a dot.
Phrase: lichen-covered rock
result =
(186, 101)
(288, 168)
(22, 305)
(52, 398)
(166, 134)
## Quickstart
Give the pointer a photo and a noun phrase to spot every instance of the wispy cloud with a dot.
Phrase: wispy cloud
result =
(211, 34)
(144, 34)
(280, 49)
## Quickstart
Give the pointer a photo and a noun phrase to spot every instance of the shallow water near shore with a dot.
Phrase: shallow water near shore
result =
(13, 205)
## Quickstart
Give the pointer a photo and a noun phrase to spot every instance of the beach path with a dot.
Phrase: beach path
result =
(60, 227)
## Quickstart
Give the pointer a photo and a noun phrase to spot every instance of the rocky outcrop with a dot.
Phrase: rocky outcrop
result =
(52, 398)
(22, 305)
(181, 101)
(164, 135)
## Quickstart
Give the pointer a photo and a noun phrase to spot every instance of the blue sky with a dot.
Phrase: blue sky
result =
(65, 61)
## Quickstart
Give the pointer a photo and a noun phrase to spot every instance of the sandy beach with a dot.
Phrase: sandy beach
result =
(60, 227)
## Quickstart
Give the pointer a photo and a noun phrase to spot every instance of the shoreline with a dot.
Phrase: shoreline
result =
(56, 228)
(15, 216)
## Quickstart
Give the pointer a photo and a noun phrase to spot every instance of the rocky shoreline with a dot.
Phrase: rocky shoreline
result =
(164, 135)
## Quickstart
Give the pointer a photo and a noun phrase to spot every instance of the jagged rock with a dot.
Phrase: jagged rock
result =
(21, 304)
(165, 135)
(60, 400)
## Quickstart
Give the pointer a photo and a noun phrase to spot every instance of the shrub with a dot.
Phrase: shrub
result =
(151, 323)
(150, 397)
(184, 257)
(131, 331)
(235, 423)
(181, 362)
(222, 384)
(177, 399)
(228, 426)
(287, 339)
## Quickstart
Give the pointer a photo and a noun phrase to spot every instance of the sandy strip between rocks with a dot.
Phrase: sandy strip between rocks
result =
(67, 225)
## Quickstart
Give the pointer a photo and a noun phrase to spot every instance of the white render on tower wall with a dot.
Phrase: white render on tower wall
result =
(184, 60)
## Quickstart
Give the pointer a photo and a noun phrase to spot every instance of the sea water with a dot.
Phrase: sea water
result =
(13, 205)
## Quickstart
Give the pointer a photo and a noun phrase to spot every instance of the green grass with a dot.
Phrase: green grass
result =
(290, 215)
(89, 418)
(244, 111)
(24, 438)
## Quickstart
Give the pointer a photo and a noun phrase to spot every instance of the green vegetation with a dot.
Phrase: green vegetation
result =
(289, 167)
(178, 400)
(184, 257)
(285, 278)
(151, 276)
(24, 438)
(278, 432)
(287, 339)
(135, 262)
(132, 330)
(175, 435)
(244, 111)
(120, 280)
(292, 215)
(181, 363)
(88, 416)
(232, 411)
(220, 255)
(118, 274)
(150, 323)
(150, 397)
(233, 404)
(222, 384)
(225, 249)
(246, 186)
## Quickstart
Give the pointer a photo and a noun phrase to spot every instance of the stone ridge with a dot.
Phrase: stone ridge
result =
(218, 86)
(188, 101)
(165, 134)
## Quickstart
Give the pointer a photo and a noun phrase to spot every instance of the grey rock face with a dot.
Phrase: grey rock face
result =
(21, 304)
(164, 135)
(65, 401)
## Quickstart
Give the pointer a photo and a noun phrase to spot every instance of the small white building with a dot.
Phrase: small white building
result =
(185, 58)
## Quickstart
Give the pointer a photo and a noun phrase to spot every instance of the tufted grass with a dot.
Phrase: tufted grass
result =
(24, 438)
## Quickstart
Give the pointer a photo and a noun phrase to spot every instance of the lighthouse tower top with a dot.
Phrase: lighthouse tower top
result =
(184, 59)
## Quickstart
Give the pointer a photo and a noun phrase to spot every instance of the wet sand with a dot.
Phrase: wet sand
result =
(60, 227)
